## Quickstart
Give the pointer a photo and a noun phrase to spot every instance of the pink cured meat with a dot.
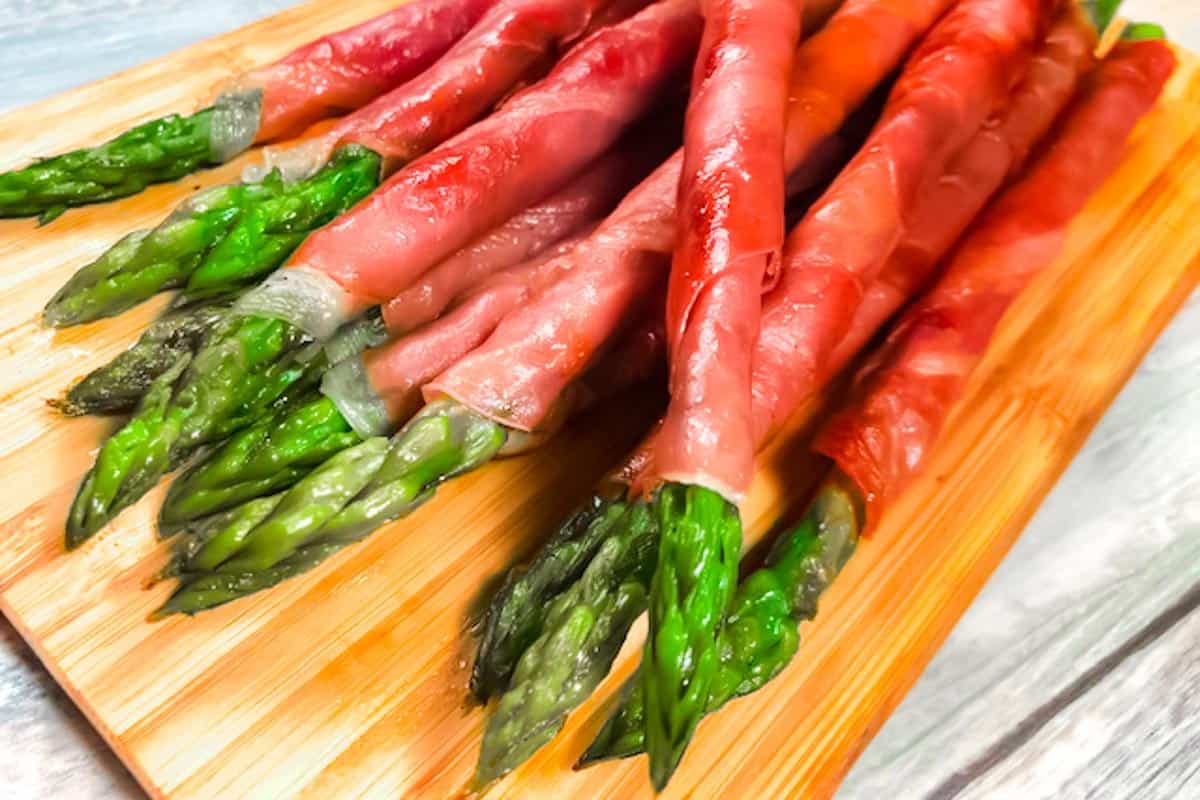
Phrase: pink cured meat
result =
(958, 76)
(398, 370)
(512, 159)
(945, 208)
(541, 348)
(944, 211)
(346, 70)
(582, 202)
(730, 228)
(902, 397)
(511, 43)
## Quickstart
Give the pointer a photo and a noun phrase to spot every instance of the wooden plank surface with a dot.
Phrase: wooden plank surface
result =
(350, 681)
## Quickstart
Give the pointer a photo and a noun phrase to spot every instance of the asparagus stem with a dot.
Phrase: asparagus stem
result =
(116, 387)
(761, 633)
(275, 226)
(204, 544)
(160, 150)
(443, 441)
(147, 262)
(270, 455)
(235, 377)
(129, 463)
(306, 509)
(582, 633)
(219, 241)
(215, 589)
(517, 613)
(695, 578)
(340, 503)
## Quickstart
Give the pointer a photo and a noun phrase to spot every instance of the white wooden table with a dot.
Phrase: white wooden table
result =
(1075, 674)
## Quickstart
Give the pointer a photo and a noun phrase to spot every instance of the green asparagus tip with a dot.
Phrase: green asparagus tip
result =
(1101, 12)
(1143, 31)
(516, 613)
(583, 630)
(699, 549)
(761, 632)
(50, 214)
(156, 151)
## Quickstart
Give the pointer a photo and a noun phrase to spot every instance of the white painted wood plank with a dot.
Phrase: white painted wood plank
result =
(1135, 735)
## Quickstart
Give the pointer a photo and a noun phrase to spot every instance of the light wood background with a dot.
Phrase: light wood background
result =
(350, 681)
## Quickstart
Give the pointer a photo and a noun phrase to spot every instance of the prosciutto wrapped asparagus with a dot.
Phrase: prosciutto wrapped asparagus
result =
(730, 229)
(231, 236)
(374, 394)
(979, 284)
(903, 396)
(268, 540)
(526, 150)
(519, 614)
(626, 259)
(331, 75)
(704, 450)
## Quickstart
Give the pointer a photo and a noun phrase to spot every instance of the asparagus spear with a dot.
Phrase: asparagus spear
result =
(582, 631)
(220, 240)
(246, 367)
(278, 449)
(516, 615)
(761, 633)
(244, 370)
(129, 463)
(116, 387)
(205, 543)
(160, 150)
(270, 455)
(212, 590)
(699, 546)
(336, 505)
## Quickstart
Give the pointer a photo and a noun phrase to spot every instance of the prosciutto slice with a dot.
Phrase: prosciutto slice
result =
(945, 209)
(346, 70)
(902, 397)
(543, 346)
(508, 161)
(730, 227)
(959, 75)
(580, 204)
(398, 370)
(513, 42)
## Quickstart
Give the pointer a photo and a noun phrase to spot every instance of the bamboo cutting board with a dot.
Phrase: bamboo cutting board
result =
(350, 682)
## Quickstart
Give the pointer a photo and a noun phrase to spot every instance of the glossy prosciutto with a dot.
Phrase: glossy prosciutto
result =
(729, 228)
(541, 348)
(903, 395)
(520, 154)
(346, 70)
(514, 41)
(956, 79)
(944, 210)
(397, 371)
(579, 205)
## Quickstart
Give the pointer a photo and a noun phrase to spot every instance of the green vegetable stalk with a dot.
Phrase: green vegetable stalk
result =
(517, 613)
(699, 547)
(161, 150)
(761, 632)
(223, 239)
(269, 456)
(582, 630)
(118, 386)
(245, 366)
(335, 505)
